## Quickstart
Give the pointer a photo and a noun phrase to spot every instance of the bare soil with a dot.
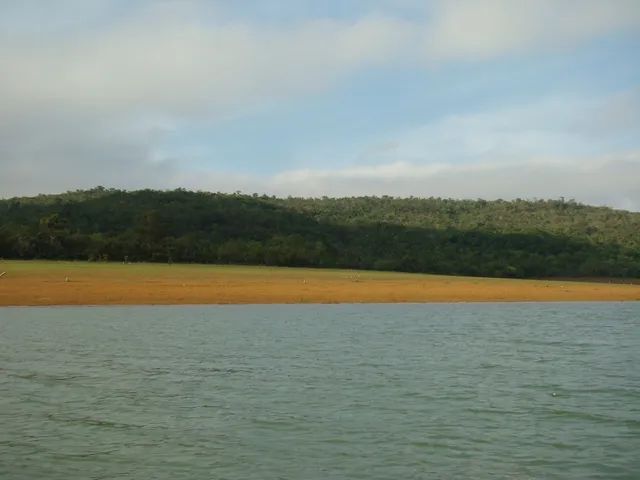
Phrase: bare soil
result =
(82, 283)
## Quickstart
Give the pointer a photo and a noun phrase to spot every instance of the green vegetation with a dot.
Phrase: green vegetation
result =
(462, 237)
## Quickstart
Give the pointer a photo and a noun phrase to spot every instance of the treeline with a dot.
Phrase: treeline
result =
(484, 238)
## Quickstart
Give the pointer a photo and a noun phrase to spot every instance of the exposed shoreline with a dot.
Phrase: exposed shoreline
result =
(40, 283)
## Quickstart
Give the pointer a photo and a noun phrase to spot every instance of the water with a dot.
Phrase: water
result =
(477, 391)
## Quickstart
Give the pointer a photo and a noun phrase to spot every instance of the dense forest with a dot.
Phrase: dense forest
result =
(543, 238)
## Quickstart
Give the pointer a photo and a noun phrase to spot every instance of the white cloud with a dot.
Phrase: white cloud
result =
(552, 126)
(80, 105)
(608, 180)
(159, 64)
(552, 148)
(168, 60)
(480, 29)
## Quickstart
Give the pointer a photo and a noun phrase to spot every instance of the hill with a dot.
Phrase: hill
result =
(545, 238)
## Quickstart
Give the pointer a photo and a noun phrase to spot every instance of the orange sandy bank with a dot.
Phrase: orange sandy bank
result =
(81, 283)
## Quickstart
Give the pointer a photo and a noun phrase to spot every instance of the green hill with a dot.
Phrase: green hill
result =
(518, 238)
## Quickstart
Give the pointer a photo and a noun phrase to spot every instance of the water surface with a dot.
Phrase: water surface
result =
(511, 391)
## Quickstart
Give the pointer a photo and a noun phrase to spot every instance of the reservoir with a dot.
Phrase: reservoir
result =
(511, 390)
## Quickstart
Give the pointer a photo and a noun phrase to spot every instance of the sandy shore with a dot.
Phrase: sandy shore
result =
(82, 283)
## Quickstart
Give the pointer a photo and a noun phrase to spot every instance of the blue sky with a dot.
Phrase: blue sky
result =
(463, 99)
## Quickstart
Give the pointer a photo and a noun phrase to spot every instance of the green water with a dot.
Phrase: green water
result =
(512, 391)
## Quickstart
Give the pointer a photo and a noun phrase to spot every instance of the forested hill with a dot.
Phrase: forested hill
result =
(488, 238)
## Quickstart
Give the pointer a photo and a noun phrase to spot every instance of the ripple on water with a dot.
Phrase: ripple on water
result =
(321, 392)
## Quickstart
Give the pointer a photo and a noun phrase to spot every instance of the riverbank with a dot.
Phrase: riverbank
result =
(84, 283)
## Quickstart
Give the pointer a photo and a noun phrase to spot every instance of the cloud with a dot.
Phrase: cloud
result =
(608, 180)
(154, 63)
(164, 58)
(556, 147)
(50, 153)
(87, 102)
(482, 29)
(82, 106)
(552, 126)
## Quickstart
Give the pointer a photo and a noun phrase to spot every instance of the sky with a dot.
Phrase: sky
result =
(490, 99)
